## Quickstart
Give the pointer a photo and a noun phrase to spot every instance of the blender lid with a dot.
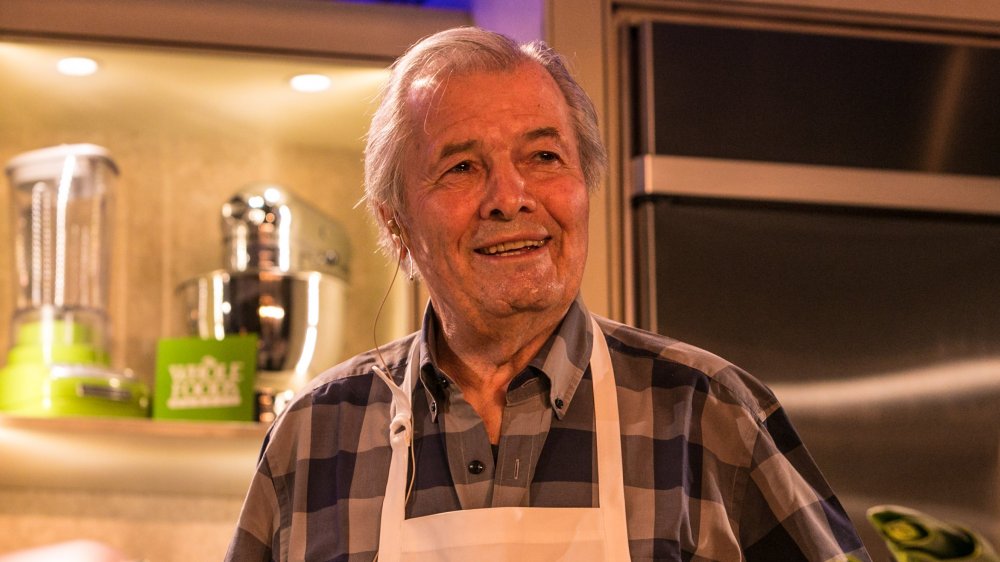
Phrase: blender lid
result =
(49, 162)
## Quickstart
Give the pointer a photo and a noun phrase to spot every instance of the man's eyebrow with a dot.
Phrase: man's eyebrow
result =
(456, 148)
(543, 132)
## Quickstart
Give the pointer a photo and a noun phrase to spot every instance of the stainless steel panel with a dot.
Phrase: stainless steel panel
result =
(878, 328)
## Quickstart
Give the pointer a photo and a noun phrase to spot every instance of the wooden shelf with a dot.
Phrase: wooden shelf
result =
(129, 455)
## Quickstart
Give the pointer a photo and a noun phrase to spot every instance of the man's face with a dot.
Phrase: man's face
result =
(495, 206)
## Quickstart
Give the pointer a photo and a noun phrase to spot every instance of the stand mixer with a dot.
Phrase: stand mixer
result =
(285, 279)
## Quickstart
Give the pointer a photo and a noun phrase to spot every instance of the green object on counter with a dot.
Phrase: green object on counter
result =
(201, 379)
(71, 390)
(54, 370)
(913, 536)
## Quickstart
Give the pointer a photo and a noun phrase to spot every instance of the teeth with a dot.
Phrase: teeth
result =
(512, 246)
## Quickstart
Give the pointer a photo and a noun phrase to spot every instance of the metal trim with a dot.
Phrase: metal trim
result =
(824, 185)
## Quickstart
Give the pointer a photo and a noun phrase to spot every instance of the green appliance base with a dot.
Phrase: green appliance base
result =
(71, 390)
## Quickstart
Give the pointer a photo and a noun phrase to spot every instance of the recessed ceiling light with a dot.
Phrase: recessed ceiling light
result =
(77, 66)
(310, 82)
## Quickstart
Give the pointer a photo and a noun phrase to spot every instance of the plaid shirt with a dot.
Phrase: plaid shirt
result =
(713, 469)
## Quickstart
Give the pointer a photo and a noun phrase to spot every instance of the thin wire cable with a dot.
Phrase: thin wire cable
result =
(385, 369)
(378, 313)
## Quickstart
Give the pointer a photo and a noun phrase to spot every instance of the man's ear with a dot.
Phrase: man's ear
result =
(395, 229)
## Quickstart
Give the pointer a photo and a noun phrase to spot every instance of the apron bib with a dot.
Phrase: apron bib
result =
(525, 534)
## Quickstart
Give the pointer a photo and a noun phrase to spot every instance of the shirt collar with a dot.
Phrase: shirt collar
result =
(563, 358)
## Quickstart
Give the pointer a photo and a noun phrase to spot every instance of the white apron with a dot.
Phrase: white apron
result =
(524, 534)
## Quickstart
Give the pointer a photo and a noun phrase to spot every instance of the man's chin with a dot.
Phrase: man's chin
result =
(528, 300)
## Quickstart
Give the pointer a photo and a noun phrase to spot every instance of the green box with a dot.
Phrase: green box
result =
(200, 379)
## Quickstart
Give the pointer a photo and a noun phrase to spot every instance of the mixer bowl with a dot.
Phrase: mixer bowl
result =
(298, 318)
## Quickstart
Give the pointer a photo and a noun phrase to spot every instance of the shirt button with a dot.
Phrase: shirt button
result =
(476, 467)
(559, 403)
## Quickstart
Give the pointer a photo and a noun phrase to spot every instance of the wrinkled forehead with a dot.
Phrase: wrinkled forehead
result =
(425, 93)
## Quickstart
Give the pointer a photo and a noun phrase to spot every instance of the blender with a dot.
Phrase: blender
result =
(58, 360)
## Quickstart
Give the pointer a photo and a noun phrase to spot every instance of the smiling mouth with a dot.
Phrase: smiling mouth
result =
(511, 248)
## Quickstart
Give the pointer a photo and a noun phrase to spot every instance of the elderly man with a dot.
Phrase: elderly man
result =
(514, 424)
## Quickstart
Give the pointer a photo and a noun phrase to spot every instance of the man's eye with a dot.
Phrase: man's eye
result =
(547, 156)
(465, 166)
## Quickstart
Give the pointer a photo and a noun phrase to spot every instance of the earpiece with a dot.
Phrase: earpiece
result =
(397, 237)
(393, 228)
(397, 233)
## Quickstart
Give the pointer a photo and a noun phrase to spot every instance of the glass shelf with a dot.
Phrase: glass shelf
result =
(129, 455)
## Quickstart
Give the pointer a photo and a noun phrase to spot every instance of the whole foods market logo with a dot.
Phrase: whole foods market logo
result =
(209, 384)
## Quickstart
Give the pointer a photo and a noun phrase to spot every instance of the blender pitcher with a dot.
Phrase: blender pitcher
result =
(58, 360)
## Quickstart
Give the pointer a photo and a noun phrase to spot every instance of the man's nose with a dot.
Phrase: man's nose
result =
(507, 193)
